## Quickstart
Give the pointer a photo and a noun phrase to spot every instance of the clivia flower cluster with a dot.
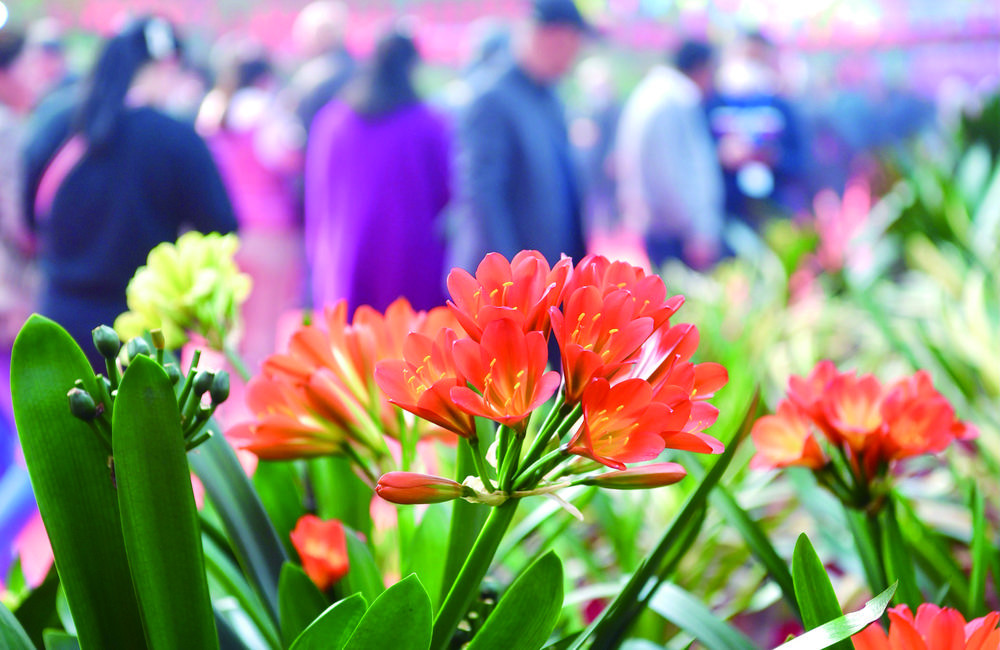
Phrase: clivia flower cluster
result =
(852, 429)
(626, 388)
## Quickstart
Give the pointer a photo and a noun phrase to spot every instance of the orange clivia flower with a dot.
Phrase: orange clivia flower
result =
(507, 368)
(285, 426)
(322, 546)
(933, 628)
(871, 425)
(622, 424)
(598, 335)
(324, 383)
(521, 290)
(607, 276)
(422, 380)
(786, 439)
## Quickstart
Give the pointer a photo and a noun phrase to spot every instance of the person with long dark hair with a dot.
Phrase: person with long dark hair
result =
(113, 177)
(377, 179)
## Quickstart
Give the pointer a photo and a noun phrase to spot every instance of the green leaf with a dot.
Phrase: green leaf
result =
(691, 615)
(534, 601)
(611, 623)
(334, 626)
(934, 556)
(758, 542)
(817, 599)
(300, 602)
(69, 474)
(159, 517)
(280, 491)
(841, 629)
(59, 640)
(428, 546)
(362, 575)
(899, 561)
(340, 494)
(12, 635)
(980, 555)
(38, 610)
(255, 543)
(225, 576)
(399, 619)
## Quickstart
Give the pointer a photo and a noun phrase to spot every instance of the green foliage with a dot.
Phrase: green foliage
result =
(399, 618)
(838, 631)
(73, 484)
(534, 601)
(12, 635)
(332, 628)
(300, 602)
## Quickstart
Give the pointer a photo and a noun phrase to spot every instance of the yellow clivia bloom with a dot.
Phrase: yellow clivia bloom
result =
(191, 287)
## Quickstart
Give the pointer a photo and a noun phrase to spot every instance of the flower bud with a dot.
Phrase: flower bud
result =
(81, 404)
(159, 341)
(173, 372)
(202, 382)
(410, 487)
(219, 390)
(106, 341)
(639, 478)
(137, 346)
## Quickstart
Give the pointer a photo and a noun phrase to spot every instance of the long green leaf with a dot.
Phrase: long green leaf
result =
(400, 619)
(255, 543)
(300, 601)
(840, 629)
(279, 488)
(73, 486)
(816, 597)
(758, 542)
(691, 615)
(159, 517)
(429, 545)
(980, 555)
(610, 623)
(38, 610)
(899, 561)
(340, 494)
(12, 635)
(332, 629)
(363, 576)
(225, 576)
(534, 601)
(934, 557)
(59, 640)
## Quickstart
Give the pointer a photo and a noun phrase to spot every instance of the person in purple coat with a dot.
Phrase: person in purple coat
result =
(376, 182)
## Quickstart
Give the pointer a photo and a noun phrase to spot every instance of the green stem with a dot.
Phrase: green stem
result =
(480, 463)
(556, 414)
(469, 579)
(867, 534)
(236, 361)
(511, 456)
(529, 477)
(189, 379)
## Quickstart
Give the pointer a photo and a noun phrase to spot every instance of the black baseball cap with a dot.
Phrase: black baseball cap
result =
(560, 12)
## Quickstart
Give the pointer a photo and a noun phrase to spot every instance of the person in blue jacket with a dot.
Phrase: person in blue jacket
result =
(518, 188)
(114, 176)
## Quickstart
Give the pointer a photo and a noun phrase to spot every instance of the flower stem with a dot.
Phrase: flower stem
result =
(469, 579)
(556, 414)
(534, 473)
(236, 361)
(480, 463)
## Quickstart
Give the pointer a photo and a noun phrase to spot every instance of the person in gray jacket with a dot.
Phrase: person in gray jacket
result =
(517, 185)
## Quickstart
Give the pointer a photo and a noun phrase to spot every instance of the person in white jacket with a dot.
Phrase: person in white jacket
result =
(670, 187)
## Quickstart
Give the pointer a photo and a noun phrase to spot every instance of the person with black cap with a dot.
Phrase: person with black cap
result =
(517, 184)
(670, 188)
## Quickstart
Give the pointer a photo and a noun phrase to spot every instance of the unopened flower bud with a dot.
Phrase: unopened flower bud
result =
(639, 478)
(173, 372)
(81, 404)
(159, 342)
(219, 390)
(202, 382)
(137, 346)
(106, 341)
(410, 487)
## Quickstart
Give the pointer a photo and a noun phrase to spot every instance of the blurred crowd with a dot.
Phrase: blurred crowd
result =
(348, 179)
